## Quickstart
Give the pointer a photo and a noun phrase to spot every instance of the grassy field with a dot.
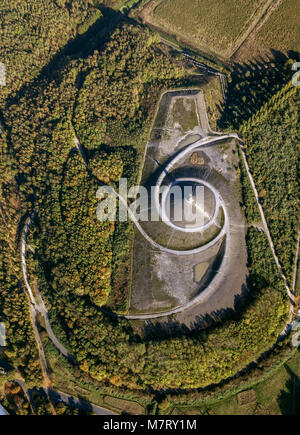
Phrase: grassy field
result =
(209, 25)
(122, 5)
(229, 29)
(184, 113)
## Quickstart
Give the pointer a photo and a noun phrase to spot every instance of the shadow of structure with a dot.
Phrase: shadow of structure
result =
(289, 398)
(81, 46)
(251, 84)
(76, 403)
(159, 330)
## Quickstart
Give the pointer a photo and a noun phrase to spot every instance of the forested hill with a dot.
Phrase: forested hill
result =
(106, 98)
(272, 137)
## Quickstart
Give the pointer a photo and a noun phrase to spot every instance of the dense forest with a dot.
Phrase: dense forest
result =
(14, 309)
(14, 312)
(251, 85)
(107, 348)
(31, 34)
(272, 138)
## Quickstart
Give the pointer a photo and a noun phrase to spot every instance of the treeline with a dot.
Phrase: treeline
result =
(107, 349)
(272, 137)
(32, 32)
(20, 350)
(276, 102)
(250, 86)
(35, 145)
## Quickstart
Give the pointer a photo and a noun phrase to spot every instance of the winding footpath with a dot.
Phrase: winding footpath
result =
(33, 308)
(40, 307)
(225, 231)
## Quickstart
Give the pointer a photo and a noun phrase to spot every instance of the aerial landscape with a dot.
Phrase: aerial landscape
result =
(149, 209)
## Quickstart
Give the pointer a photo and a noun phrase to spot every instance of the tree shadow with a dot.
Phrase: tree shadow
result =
(289, 398)
(82, 46)
(73, 402)
(159, 330)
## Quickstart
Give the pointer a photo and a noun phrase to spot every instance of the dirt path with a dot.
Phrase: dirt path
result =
(43, 310)
(270, 7)
(33, 308)
(45, 370)
(258, 19)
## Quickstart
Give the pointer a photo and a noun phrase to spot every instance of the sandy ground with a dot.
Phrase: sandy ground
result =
(161, 281)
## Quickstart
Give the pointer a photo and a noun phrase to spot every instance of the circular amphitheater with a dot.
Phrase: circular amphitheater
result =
(189, 205)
